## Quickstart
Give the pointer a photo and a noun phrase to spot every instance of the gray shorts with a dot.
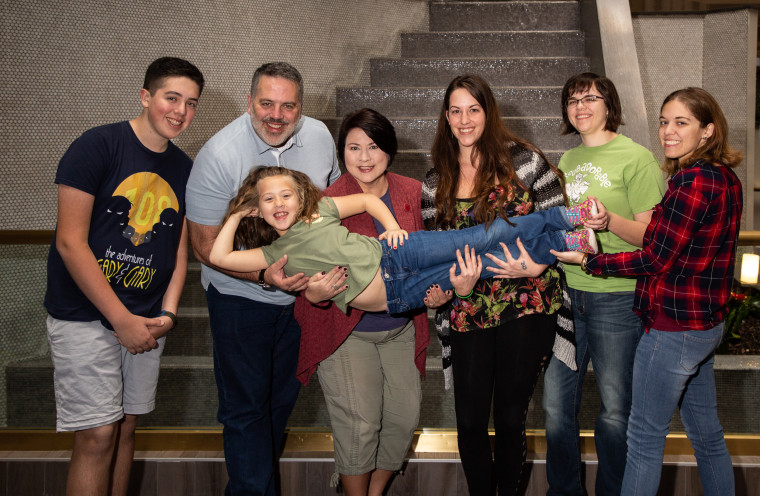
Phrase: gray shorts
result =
(372, 390)
(96, 379)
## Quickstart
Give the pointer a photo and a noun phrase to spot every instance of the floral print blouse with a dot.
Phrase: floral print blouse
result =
(496, 301)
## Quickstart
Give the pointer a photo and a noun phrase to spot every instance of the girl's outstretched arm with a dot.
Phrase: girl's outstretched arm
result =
(362, 202)
(223, 253)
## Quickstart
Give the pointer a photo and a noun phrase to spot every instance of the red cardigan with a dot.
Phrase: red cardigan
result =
(324, 328)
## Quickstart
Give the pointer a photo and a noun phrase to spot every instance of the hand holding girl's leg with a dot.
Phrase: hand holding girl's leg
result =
(600, 220)
(582, 213)
(470, 267)
(511, 268)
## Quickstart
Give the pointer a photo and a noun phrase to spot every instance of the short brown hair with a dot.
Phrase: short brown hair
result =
(275, 70)
(377, 127)
(583, 82)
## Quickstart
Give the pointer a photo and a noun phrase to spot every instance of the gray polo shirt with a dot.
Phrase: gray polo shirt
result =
(222, 165)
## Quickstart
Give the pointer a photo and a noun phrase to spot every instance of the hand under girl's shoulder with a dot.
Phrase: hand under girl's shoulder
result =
(315, 219)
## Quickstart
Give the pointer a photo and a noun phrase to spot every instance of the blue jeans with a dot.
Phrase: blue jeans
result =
(426, 257)
(676, 369)
(607, 332)
(255, 357)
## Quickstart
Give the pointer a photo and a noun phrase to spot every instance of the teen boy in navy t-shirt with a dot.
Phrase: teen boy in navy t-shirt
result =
(116, 269)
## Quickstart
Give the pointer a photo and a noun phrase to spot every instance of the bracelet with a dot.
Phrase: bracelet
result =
(583, 264)
(172, 316)
(464, 297)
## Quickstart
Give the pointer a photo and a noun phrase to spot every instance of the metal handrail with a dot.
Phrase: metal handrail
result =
(749, 238)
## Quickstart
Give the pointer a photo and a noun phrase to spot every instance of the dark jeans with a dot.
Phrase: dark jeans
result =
(607, 332)
(502, 363)
(255, 357)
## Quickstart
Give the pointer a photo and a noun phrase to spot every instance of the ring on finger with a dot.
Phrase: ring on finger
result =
(336, 287)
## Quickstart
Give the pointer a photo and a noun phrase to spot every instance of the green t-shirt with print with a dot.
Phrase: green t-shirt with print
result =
(627, 179)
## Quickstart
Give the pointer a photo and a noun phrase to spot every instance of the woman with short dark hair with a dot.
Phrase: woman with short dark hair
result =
(626, 177)
(684, 274)
(368, 364)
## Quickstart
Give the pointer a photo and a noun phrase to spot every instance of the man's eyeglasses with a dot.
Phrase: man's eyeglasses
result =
(587, 101)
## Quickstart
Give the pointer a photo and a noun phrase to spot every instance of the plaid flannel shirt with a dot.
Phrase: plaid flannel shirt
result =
(686, 265)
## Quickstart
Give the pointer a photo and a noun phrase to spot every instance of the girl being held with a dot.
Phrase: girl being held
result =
(280, 212)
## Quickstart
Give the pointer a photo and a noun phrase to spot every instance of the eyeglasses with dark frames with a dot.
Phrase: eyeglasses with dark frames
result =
(587, 101)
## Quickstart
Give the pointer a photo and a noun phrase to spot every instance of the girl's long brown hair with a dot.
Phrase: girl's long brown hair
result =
(492, 152)
(254, 231)
(706, 110)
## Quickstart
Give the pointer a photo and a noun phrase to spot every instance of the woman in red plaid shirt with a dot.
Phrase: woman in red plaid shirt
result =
(685, 269)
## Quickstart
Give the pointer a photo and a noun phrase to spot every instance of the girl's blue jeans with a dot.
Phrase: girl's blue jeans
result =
(675, 369)
(426, 257)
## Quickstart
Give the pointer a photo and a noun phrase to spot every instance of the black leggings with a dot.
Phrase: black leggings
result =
(502, 363)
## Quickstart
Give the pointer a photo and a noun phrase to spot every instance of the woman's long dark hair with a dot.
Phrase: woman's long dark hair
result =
(492, 152)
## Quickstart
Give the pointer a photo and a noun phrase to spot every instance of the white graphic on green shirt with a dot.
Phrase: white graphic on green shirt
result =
(578, 180)
(576, 186)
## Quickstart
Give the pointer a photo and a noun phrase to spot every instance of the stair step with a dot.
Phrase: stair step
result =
(505, 16)
(540, 101)
(418, 133)
(192, 336)
(186, 397)
(412, 163)
(493, 44)
(542, 131)
(193, 294)
(430, 72)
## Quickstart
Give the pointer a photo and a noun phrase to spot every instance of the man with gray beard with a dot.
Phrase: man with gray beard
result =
(256, 338)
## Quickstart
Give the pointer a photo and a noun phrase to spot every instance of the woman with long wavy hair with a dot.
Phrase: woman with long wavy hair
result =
(498, 332)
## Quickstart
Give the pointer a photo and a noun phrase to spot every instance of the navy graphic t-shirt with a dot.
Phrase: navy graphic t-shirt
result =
(136, 220)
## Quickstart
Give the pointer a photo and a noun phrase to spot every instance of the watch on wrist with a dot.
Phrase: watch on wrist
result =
(261, 281)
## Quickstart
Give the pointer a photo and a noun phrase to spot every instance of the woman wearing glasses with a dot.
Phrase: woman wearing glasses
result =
(627, 179)
(685, 270)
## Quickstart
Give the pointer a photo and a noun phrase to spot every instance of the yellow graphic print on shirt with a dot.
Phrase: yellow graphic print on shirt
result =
(149, 195)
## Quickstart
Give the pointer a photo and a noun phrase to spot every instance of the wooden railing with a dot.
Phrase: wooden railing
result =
(25, 237)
